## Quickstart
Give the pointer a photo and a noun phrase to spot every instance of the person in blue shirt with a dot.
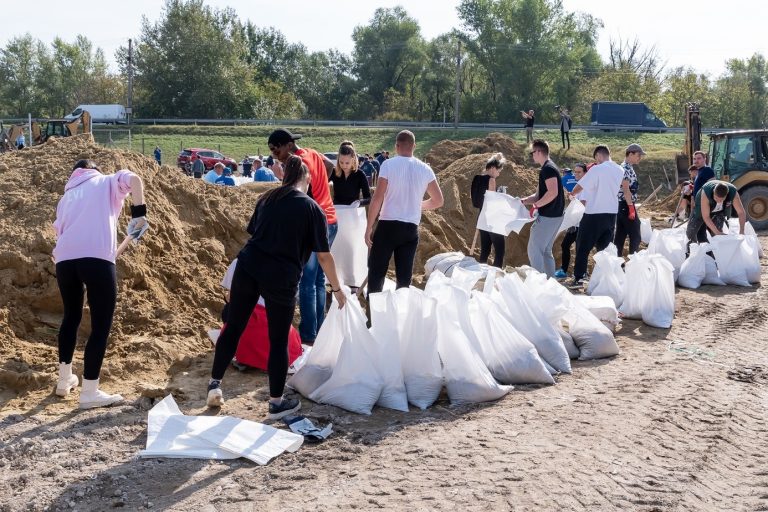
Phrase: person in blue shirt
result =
(569, 180)
(705, 172)
(214, 174)
(226, 178)
(158, 155)
(21, 141)
(262, 173)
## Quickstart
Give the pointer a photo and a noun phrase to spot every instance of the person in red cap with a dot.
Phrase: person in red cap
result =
(282, 144)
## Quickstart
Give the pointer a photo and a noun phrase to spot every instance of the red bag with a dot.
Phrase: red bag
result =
(253, 349)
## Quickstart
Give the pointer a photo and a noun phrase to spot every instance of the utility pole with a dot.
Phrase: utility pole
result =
(129, 110)
(458, 87)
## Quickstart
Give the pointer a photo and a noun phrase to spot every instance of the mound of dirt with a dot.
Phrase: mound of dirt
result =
(446, 152)
(168, 285)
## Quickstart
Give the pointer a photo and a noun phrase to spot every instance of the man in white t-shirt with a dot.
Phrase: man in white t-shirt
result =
(599, 188)
(399, 197)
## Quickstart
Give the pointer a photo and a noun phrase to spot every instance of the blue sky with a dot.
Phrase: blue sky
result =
(685, 32)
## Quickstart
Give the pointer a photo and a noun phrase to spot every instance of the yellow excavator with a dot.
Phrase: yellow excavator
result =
(740, 157)
(44, 129)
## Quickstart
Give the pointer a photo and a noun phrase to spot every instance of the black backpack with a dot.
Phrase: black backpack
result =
(477, 191)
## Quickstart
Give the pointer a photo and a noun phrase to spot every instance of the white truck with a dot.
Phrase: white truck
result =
(107, 114)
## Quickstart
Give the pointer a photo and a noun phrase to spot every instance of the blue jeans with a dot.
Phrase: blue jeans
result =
(312, 294)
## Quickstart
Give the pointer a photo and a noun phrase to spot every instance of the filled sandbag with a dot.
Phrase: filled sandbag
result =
(608, 277)
(646, 231)
(711, 274)
(658, 303)
(602, 307)
(431, 264)
(570, 345)
(737, 259)
(595, 340)
(388, 361)
(672, 244)
(694, 268)
(636, 270)
(348, 249)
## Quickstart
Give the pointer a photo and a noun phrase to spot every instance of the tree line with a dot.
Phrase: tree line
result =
(507, 56)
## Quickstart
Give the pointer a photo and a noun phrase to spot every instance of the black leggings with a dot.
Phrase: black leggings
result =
(99, 279)
(624, 227)
(243, 297)
(566, 135)
(486, 240)
(400, 238)
(568, 241)
(595, 231)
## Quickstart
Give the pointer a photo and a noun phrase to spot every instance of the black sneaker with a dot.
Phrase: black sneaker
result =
(284, 408)
(575, 284)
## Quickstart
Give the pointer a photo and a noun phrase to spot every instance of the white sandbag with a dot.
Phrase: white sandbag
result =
(467, 379)
(384, 328)
(431, 264)
(749, 231)
(355, 384)
(502, 214)
(670, 243)
(348, 249)
(325, 352)
(602, 307)
(608, 277)
(465, 278)
(570, 345)
(732, 228)
(694, 268)
(711, 274)
(553, 299)
(528, 318)
(636, 270)
(658, 305)
(646, 231)
(572, 215)
(594, 339)
(737, 259)
(417, 324)
(510, 358)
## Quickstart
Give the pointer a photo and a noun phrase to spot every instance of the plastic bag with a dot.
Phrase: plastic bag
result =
(348, 249)
(694, 268)
(608, 277)
(594, 339)
(658, 306)
(355, 384)
(737, 259)
(711, 274)
(670, 243)
(467, 379)
(646, 231)
(528, 318)
(510, 358)
(572, 215)
(384, 328)
(602, 307)
(502, 214)
(417, 324)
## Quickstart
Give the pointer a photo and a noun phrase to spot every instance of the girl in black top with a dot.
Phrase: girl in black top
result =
(286, 227)
(481, 183)
(349, 181)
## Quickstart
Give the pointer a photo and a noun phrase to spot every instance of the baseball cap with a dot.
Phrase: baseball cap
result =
(635, 148)
(282, 136)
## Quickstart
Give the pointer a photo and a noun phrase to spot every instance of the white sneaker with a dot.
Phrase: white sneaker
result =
(91, 396)
(215, 396)
(67, 381)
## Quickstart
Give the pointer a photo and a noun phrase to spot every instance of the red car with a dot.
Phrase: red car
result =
(209, 157)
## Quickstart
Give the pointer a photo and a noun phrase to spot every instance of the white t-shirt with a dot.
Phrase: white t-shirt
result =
(407, 180)
(601, 186)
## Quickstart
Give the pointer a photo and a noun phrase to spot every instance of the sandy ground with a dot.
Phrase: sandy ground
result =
(676, 422)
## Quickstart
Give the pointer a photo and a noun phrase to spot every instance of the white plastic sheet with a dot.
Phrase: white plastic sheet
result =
(608, 277)
(349, 250)
(572, 215)
(170, 433)
(502, 214)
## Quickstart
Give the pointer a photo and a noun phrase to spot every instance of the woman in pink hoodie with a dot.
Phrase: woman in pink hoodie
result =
(85, 253)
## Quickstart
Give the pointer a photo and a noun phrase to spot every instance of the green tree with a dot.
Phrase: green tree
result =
(741, 94)
(19, 64)
(680, 86)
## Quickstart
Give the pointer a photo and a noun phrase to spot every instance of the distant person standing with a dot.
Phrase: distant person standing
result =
(627, 221)
(704, 173)
(480, 184)
(158, 155)
(565, 127)
(198, 167)
(21, 141)
(549, 201)
(399, 198)
(247, 166)
(529, 121)
(599, 189)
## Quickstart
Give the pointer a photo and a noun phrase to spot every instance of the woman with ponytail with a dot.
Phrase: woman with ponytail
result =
(286, 227)
(349, 182)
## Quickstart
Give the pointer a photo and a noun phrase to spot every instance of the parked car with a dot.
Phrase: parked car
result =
(106, 114)
(615, 113)
(209, 157)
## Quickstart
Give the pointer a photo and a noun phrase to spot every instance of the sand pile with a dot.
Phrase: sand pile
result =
(446, 152)
(168, 286)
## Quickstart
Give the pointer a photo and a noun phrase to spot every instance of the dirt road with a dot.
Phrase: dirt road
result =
(667, 425)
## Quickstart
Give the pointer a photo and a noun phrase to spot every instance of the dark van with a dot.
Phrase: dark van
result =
(630, 114)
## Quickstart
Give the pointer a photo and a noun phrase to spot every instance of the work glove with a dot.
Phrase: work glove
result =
(533, 209)
(137, 227)
(687, 190)
(632, 212)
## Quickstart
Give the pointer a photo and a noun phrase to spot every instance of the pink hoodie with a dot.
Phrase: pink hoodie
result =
(86, 217)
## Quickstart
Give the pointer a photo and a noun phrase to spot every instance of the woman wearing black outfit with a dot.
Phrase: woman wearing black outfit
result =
(286, 227)
(481, 183)
(349, 181)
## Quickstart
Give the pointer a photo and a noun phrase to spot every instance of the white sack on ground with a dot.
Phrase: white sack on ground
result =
(384, 328)
(572, 215)
(528, 318)
(711, 274)
(658, 303)
(446, 262)
(602, 307)
(737, 259)
(321, 361)
(464, 278)
(594, 339)
(670, 243)
(510, 358)
(694, 268)
(172, 434)
(608, 277)
(570, 345)
(355, 384)
(646, 231)
(636, 271)
(732, 228)
(467, 379)
(417, 324)
(502, 214)
(349, 250)
(554, 298)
